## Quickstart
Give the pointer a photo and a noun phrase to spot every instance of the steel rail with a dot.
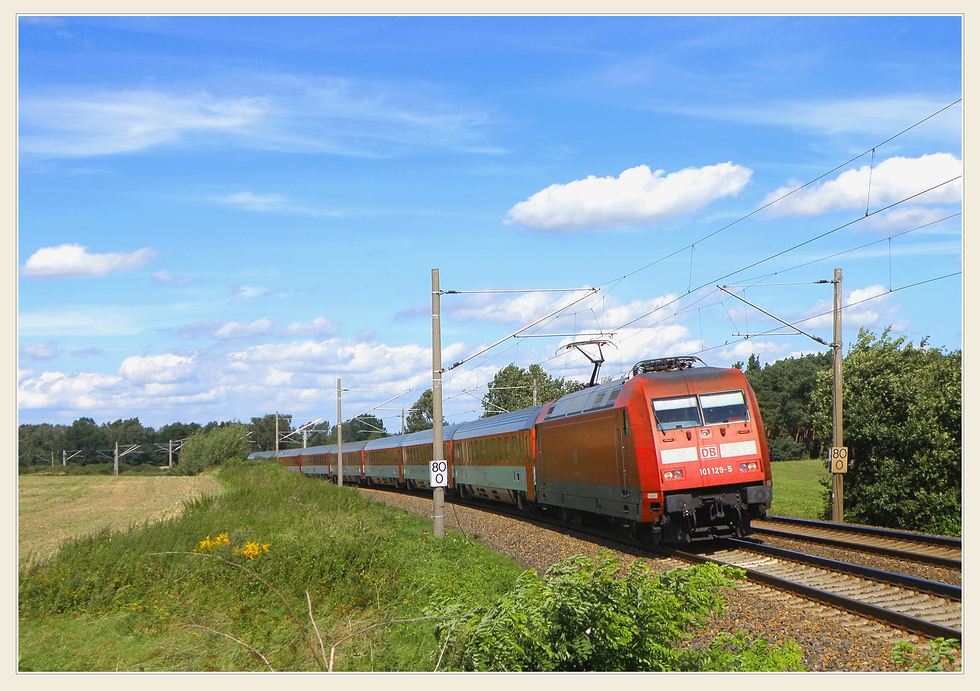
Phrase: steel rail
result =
(940, 540)
(953, 592)
(904, 621)
(932, 559)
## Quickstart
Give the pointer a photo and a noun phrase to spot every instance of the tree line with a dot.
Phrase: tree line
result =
(84, 442)
(903, 408)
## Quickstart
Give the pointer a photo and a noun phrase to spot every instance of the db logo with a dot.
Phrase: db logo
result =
(707, 452)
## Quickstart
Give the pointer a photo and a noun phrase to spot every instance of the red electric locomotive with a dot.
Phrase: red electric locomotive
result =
(675, 451)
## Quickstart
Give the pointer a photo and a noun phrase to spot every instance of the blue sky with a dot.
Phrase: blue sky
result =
(218, 217)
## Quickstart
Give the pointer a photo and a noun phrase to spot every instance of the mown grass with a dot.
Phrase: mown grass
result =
(798, 489)
(52, 508)
(154, 599)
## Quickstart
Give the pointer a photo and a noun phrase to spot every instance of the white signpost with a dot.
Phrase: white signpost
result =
(438, 474)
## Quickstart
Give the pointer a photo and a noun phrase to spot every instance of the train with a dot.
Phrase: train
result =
(673, 452)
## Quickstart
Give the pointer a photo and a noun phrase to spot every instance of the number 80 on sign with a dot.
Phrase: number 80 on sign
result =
(838, 459)
(438, 474)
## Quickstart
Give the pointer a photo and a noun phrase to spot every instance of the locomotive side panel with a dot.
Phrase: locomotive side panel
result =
(587, 463)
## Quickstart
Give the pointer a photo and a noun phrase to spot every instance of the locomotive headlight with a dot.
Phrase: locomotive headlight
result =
(753, 465)
(673, 474)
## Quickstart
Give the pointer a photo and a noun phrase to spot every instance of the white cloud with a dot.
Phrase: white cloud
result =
(320, 326)
(865, 116)
(766, 351)
(78, 321)
(126, 121)
(891, 181)
(907, 217)
(254, 202)
(637, 197)
(165, 277)
(241, 330)
(157, 369)
(322, 115)
(45, 350)
(863, 307)
(75, 261)
(249, 292)
(503, 308)
(591, 315)
(272, 203)
(300, 378)
(83, 391)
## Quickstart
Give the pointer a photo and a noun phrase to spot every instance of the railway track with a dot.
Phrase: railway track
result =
(916, 605)
(935, 550)
(913, 604)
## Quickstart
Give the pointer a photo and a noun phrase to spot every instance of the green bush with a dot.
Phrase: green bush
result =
(597, 615)
(903, 408)
(940, 657)
(206, 449)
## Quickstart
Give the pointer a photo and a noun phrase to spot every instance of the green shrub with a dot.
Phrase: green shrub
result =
(597, 615)
(940, 657)
(206, 449)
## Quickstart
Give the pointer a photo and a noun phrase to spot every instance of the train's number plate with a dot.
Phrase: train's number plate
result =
(716, 470)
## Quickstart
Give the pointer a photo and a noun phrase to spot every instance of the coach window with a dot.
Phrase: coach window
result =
(676, 413)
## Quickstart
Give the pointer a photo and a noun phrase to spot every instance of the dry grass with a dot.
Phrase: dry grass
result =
(55, 508)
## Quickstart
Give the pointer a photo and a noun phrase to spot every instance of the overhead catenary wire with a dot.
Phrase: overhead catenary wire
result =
(795, 247)
(787, 194)
(848, 306)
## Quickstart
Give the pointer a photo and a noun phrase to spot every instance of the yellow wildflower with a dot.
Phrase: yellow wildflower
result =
(250, 550)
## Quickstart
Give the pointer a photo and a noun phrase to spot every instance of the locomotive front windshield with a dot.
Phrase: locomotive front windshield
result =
(703, 409)
(722, 408)
(676, 413)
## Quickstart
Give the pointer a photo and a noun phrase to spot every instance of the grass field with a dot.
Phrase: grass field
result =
(52, 509)
(254, 564)
(797, 491)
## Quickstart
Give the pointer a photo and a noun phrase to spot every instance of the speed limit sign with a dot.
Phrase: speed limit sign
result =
(438, 474)
(838, 459)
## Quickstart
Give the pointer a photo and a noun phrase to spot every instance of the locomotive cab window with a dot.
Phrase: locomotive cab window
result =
(676, 413)
(723, 408)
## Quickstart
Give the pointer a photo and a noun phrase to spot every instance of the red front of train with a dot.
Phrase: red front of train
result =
(673, 452)
(701, 452)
